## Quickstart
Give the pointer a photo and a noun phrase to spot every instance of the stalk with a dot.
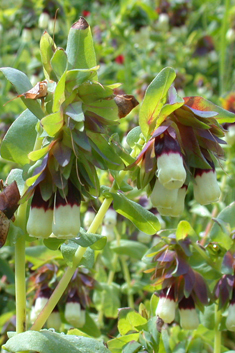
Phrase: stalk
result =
(20, 288)
(217, 339)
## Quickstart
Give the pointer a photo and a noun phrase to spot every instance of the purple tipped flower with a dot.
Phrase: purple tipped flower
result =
(74, 313)
(166, 305)
(40, 216)
(66, 221)
(188, 314)
(206, 188)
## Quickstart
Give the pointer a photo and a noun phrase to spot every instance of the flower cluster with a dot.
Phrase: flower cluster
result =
(183, 148)
(179, 283)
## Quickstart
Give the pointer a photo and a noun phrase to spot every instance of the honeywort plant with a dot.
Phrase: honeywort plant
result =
(61, 143)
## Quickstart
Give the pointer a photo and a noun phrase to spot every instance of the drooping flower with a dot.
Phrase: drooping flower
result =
(88, 217)
(178, 207)
(54, 320)
(40, 216)
(171, 171)
(166, 305)
(162, 197)
(42, 297)
(66, 221)
(206, 188)
(74, 312)
(188, 315)
(110, 218)
(230, 320)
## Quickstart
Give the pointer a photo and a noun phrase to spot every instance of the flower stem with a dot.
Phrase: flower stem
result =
(20, 288)
(217, 339)
(128, 281)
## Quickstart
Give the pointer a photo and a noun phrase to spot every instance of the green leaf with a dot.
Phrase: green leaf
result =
(20, 138)
(220, 231)
(202, 104)
(80, 48)
(53, 243)
(132, 347)
(133, 136)
(76, 77)
(38, 154)
(16, 175)
(68, 250)
(207, 318)
(90, 328)
(59, 94)
(22, 84)
(94, 241)
(74, 110)
(130, 248)
(128, 319)
(110, 299)
(47, 49)
(53, 123)
(116, 345)
(139, 216)
(51, 342)
(39, 255)
(59, 62)
(183, 230)
(6, 270)
(154, 100)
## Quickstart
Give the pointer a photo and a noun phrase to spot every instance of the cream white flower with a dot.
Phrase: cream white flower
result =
(74, 314)
(110, 218)
(166, 309)
(171, 171)
(230, 320)
(206, 188)
(162, 197)
(189, 319)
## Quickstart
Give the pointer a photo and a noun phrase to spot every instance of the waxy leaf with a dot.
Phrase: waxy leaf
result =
(59, 62)
(47, 49)
(74, 110)
(38, 154)
(68, 250)
(80, 49)
(76, 77)
(95, 241)
(20, 138)
(52, 123)
(128, 320)
(22, 85)
(59, 95)
(139, 216)
(225, 221)
(155, 98)
(202, 104)
(116, 345)
(184, 230)
(51, 342)
(130, 248)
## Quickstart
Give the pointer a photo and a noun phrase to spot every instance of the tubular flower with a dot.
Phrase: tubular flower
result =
(88, 218)
(162, 197)
(74, 313)
(42, 297)
(54, 319)
(40, 216)
(166, 305)
(66, 222)
(230, 320)
(206, 188)
(178, 207)
(188, 315)
(184, 141)
(171, 171)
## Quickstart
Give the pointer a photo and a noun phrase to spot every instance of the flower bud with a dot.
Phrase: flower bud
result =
(66, 222)
(206, 188)
(54, 320)
(163, 22)
(40, 219)
(171, 171)
(230, 320)
(43, 20)
(230, 35)
(166, 305)
(108, 232)
(74, 313)
(188, 315)
(162, 197)
(110, 218)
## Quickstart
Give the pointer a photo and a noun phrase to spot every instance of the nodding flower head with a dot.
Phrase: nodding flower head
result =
(188, 315)
(166, 305)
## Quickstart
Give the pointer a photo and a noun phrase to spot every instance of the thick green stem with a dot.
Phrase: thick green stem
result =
(217, 339)
(127, 278)
(20, 288)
